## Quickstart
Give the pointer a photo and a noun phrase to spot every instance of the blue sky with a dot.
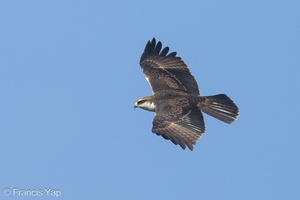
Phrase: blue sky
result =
(69, 77)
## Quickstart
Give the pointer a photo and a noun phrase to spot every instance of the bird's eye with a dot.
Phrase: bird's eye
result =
(141, 101)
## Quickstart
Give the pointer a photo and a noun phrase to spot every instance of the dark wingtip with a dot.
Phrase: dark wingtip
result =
(155, 48)
(153, 40)
(177, 141)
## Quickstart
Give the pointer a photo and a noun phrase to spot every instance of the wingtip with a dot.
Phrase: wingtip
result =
(184, 145)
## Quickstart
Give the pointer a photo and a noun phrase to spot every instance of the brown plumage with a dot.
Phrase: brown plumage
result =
(176, 98)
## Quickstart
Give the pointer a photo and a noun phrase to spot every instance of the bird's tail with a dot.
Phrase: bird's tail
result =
(219, 106)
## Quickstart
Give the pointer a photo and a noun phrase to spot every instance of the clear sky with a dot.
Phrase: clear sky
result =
(70, 75)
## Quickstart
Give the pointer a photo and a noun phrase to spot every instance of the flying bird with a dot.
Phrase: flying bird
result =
(176, 99)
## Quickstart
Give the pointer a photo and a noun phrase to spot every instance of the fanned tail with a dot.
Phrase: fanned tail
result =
(219, 106)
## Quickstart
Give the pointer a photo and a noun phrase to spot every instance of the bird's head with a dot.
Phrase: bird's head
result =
(145, 103)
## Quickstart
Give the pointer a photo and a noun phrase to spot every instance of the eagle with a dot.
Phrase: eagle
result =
(176, 99)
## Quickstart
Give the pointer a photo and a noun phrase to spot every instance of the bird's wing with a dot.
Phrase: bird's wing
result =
(166, 71)
(183, 126)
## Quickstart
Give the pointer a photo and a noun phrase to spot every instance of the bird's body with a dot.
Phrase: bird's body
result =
(176, 98)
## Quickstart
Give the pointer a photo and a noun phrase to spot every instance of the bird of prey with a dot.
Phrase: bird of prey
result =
(176, 99)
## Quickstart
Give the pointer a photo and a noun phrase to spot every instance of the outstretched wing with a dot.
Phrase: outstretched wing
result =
(166, 71)
(183, 126)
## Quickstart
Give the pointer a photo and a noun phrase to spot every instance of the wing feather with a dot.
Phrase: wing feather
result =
(166, 71)
(165, 51)
(184, 127)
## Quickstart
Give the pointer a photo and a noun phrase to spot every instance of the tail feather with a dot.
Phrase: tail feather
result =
(219, 106)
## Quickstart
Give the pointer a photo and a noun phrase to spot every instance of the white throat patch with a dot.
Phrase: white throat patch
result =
(148, 106)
